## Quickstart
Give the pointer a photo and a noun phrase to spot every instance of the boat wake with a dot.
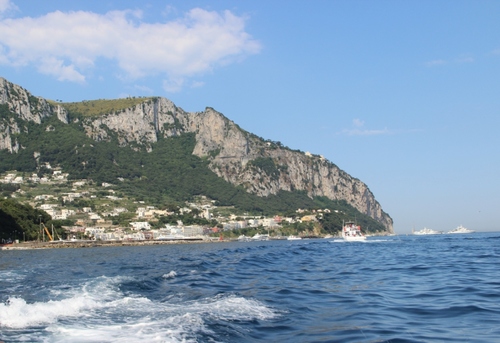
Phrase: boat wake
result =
(368, 241)
(99, 312)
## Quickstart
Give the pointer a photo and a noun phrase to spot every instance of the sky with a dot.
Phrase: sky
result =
(403, 95)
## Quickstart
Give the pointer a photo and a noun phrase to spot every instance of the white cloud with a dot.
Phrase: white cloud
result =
(6, 6)
(359, 130)
(173, 85)
(358, 122)
(68, 45)
(464, 59)
(459, 60)
(435, 63)
(197, 84)
(55, 67)
(144, 89)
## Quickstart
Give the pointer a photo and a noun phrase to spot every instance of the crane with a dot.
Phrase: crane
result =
(48, 233)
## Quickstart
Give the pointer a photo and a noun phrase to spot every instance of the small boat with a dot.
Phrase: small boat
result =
(293, 238)
(352, 232)
(259, 237)
(461, 229)
(243, 238)
(426, 231)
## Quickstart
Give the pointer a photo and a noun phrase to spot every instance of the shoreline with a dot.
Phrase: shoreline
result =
(94, 244)
(31, 245)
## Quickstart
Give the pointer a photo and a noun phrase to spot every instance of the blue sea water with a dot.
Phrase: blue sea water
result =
(441, 288)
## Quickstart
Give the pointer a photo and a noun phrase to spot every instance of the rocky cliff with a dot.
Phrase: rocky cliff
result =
(241, 158)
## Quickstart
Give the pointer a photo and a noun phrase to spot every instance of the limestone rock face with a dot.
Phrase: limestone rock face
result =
(28, 108)
(141, 123)
(6, 141)
(236, 152)
(241, 158)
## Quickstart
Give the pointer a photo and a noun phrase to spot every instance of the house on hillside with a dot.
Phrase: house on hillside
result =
(137, 226)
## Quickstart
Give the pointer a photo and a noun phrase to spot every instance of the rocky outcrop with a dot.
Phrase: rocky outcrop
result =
(7, 142)
(265, 168)
(27, 108)
(141, 123)
(241, 158)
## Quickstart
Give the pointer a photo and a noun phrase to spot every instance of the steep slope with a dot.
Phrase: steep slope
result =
(261, 167)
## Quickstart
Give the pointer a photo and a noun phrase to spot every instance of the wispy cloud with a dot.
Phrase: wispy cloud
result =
(465, 59)
(358, 122)
(67, 46)
(435, 63)
(459, 60)
(359, 129)
(365, 132)
(7, 6)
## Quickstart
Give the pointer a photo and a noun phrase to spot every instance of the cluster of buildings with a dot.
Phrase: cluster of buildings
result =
(14, 178)
(98, 225)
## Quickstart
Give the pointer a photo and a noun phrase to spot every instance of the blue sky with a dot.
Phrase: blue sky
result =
(403, 95)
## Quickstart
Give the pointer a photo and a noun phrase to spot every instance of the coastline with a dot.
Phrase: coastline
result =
(94, 244)
(30, 245)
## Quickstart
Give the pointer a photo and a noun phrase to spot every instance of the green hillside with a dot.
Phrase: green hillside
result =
(170, 173)
(20, 221)
(93, 108)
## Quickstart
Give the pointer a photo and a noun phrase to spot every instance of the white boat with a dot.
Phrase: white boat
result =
(293, 238)
(426, 231)
(352, 232)
(244, 238)
(259, 237)
(461, 229)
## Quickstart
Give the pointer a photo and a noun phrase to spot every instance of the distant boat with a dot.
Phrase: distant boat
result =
(352, 232)
(293, 238)
(244, 238)
(259, 237)
(426, 231)
(461, 229)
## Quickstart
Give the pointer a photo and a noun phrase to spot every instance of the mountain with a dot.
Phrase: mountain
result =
(155, 144)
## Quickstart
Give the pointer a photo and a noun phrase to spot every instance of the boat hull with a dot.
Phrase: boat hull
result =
(352, 232)
(355, 239)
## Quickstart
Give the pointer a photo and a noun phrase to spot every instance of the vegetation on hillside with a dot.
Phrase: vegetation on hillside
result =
(21, 221)
(169, 174)
(92, 108)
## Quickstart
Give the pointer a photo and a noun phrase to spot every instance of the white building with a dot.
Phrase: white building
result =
(18, 179)
(194, 230)
(92, 231)
(137, 226)
(47, 207)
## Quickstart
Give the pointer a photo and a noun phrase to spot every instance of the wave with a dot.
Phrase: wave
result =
(98, 311)
(170, 275)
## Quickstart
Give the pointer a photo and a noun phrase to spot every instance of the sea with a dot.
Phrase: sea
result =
(436, 288)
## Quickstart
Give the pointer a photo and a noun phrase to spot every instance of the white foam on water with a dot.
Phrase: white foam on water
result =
(145, 321)
(16, 313)
(11, 276)
(170, 275)
(98, 311)
(338, 241)
(181, 328)
(232, 308)
(70, 303)
(181, 321)
(8, 274)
